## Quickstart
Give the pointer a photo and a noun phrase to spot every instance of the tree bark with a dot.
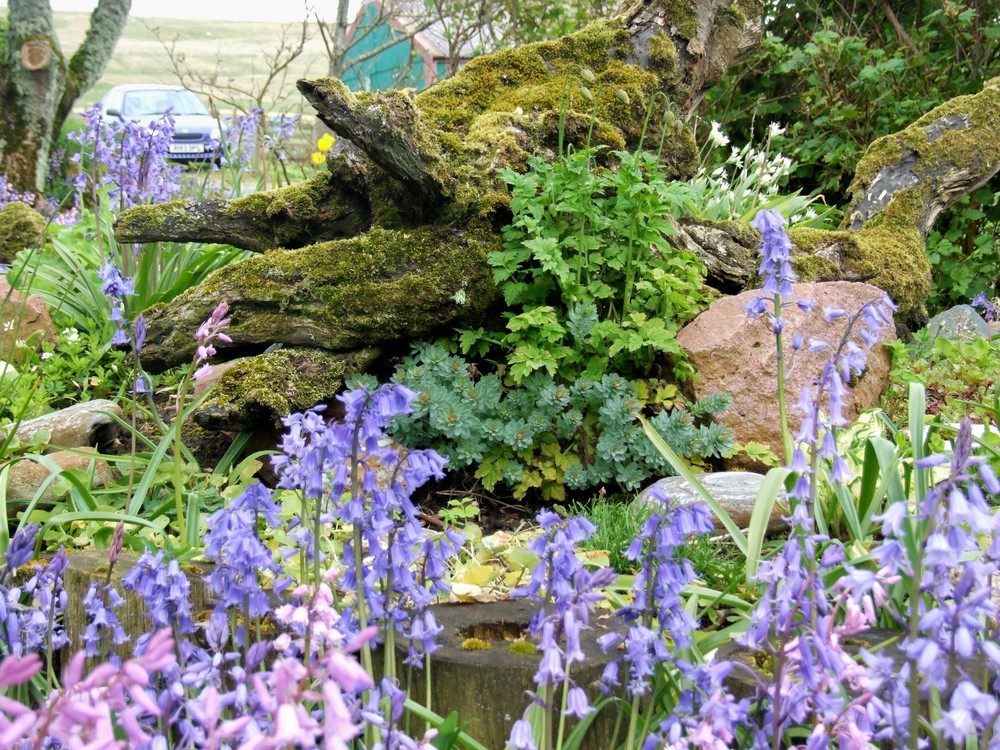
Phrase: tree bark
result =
(327, 207)
(39, 87)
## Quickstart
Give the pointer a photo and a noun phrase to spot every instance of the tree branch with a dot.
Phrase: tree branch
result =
(329, 206)
(387, 128)
(89, 61)
(908, 178)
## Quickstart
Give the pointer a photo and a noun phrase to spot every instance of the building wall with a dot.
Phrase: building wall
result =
(395, 67)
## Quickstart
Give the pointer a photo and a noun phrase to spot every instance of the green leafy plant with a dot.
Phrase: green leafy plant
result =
(592, 282)
(959, 376)
(965, 250)
(64, 273)
(81, 367)
(546, 436)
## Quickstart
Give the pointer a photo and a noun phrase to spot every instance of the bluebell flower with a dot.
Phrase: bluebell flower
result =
(100, 603)
(775, 248)
(988, 308)
(21, 549)
(165, 590)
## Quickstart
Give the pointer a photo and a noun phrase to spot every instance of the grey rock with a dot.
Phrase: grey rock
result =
(77, 426)
(959, 322)
(735, 491)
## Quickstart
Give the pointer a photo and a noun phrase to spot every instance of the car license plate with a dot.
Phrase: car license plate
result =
(187, 148)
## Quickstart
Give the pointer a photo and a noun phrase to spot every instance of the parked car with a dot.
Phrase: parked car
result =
(196, 132)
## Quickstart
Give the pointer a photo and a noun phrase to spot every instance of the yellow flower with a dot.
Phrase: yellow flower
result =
(325, 142)
(318, 158)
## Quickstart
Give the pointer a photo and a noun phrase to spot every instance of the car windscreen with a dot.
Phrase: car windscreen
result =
(156, 102)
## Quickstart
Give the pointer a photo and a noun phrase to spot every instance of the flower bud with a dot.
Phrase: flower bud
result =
(585, 93)
(588, 75)
(622, 96)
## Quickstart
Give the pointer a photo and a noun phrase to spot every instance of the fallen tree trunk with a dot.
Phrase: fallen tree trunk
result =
(394, 238)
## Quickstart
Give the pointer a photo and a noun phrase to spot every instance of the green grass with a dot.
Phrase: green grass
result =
(232, 51)
(717, 563)
(618, 522)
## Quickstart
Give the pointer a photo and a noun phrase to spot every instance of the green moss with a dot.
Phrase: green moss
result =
(514, 97)
(663, 58)
(21, 227)
(891, 259)
(938, 149)
(476, 644)
(525, 648)
(682, 16)
(262, 389)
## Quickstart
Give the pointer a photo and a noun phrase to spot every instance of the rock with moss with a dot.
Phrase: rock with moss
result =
(21, 227)
(253, 392)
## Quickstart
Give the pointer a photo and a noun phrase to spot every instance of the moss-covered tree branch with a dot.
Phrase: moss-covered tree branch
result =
(323, 208)
(387, 128)
(383, 286)
(908, 178)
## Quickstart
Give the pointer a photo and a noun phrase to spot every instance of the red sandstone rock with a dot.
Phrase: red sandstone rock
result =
(736, 354)
(22, 318)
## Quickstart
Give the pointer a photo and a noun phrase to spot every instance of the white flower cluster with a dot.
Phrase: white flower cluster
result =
(750, 179)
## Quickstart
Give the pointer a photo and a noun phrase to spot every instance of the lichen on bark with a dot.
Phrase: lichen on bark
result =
(37, 102)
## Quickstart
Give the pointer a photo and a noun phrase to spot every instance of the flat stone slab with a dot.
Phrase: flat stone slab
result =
(961, 322)
(735, 491)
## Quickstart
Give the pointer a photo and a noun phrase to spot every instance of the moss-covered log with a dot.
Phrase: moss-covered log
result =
(908, 178)
(380, 287)
(435, 157)
(395, 236)
(326, 207)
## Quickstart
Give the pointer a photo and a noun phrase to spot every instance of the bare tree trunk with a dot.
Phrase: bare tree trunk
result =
(39, 86)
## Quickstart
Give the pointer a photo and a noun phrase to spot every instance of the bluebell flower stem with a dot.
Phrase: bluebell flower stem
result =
(547, 696)
(390, 631)
(359, 570)
(427, 682)
(178, 462)
(562, 710)
(633, 723)
(786, 435)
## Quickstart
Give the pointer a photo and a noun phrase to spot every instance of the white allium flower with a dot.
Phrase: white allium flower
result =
(716, 136)
(774, 130)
